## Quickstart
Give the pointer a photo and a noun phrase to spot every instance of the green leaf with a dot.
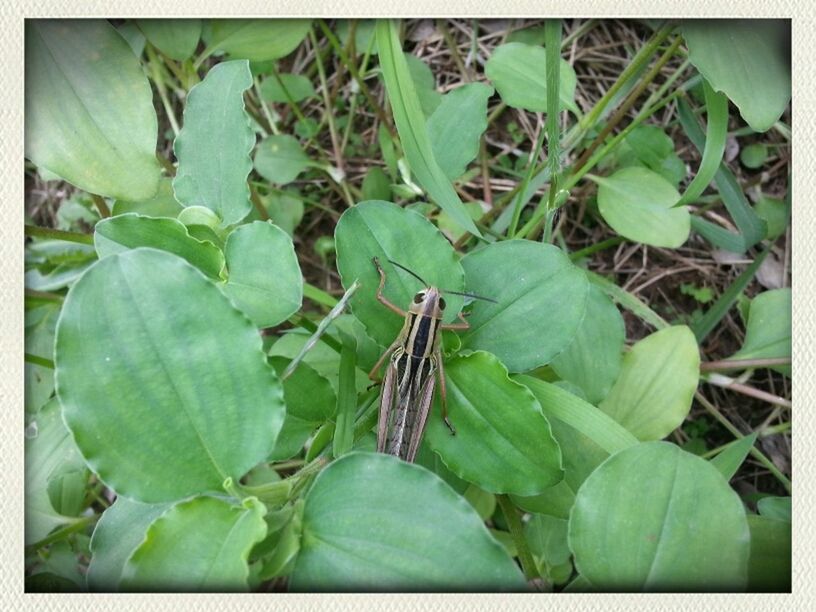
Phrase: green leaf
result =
(194, 396)
(775, 213)
(770, 567)
(285, 209)
(768, 333)
(561, 405)
(310, 401)
(176, 38)
(49, 452)
(162, 204)
(775, 508)
(279, 159)
(424, 84)
(593, 359)
(541, 299)
(119, 531)
(355, 536)
(197, 545)
(637, 204)
(519, 73)
(264, 276)
(730, 459)
(748, 60)
(411, 126)
(547, 538)
(133, 36)
(503, 442)
(650, 146)
(40, 324)
(363, 34)
(130, 230)
(213, 146)
(754, 155)
(655, 518)
(89, 108)
(716, 133)
(297, 86)
(386, 231)
(376, 185)
(258, 40)
(456, 127)
(751, 228)
(654, 391)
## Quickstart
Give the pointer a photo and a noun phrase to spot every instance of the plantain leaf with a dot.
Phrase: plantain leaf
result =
(768, 333)
(197, 545)
(176, 38)
(89, 108)
(214, 144)
(411, 126)
(355, 536)
(258, 40)
(158, 374)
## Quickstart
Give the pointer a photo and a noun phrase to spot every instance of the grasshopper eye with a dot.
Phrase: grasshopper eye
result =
(419, 297)
(442, 303)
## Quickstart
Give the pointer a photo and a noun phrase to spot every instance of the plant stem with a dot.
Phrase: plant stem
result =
(514, 522)
(743, 364)
(598, 246)
(40, 361)
(55, 234)
(101, 206)
(78, 525)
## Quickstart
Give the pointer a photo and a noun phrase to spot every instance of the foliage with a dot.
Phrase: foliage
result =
(190, 354)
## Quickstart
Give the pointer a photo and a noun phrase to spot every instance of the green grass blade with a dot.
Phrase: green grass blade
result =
(750, 226)
(713, 315)
(410, 123)
(627, 300)
(732, 456)
(346, 398)
(716, 132)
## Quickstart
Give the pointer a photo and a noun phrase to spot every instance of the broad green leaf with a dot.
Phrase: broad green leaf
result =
(386, 231)
(541, 299)
(637, 204)
(754, 155)
(768, 333)
(194, 396)
(746, 59)
(656, 385)
(456, 127)
(503, 442)
(213, 146)
(356, 535)
(556, 501)
(264, 276)
(411, 126)
(655, 518)
(296, 85)
(176, 38)
(775, 213)
(547, 538)
(279, 159)
(519, 73)
(376, 185)
(162, 204)
(89, 108)
(731, 458)
(50, 451)
(119, 531)
(424, 84)
(363, 34)
(775, 508)
(197, 545)
(770, 567)
(285, 209)
(593, 359)
(130, 230)
(310, 401)
(133, 36)
(716, 133)
(534, 35)
(650, 146)
(258, 40)
(40, 324)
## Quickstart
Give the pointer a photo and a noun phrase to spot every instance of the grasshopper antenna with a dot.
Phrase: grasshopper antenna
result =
(470, 295)
(411, 272)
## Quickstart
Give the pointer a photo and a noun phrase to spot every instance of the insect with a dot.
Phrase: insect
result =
(415, 364)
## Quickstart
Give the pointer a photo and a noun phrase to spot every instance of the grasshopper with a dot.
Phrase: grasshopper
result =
(415, 363)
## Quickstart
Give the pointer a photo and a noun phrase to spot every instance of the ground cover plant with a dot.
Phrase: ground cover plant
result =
(204, 201)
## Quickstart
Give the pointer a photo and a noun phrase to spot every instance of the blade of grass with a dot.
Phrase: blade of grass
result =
(751, 227)
(346, 398)
(627, 300)
(703, 326)
(732, 456)
(411, 126)
(552, 39)
(716, 134)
